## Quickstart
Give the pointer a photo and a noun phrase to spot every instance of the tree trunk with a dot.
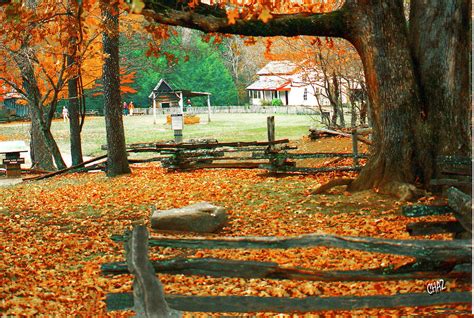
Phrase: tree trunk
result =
(342, 120)
(334, 116)
(117, 163)
(74, 107)
(353, 114)
(40, 131)
(363, 112)
(337, 97)
(53, 147)
(73, 110)
(41, 157)
(440, 37)
(379, 33)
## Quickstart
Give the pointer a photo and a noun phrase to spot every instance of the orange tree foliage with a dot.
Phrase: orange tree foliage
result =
(126, 78)
(45, 31)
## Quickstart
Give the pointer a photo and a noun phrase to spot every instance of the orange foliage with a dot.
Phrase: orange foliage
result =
(125, 78)
(45, 33)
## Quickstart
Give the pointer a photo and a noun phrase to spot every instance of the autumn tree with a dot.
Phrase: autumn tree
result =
(416, 74)
(330, 67)
(35, 67)
(45, 49)
(243, 62)
(117, 161)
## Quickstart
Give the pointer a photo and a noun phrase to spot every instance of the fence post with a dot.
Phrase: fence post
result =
(355, 151)
(148, 294)
(271, 131)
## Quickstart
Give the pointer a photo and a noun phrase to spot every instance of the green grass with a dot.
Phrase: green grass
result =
(223, 127)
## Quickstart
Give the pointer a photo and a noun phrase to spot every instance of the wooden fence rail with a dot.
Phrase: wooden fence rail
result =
(459, 204)
(268, 270)
(434, 259)
(250, 304)
(454, 251)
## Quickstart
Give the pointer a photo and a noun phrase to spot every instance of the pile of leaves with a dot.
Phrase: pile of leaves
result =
(56, 235)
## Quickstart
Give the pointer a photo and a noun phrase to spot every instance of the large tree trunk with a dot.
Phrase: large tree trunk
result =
(379, 33)
(440, 37)
(117, 162)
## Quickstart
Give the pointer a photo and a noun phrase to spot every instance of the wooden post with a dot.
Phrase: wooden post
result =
(461, 203)
(181, 102)
(271, 131)
(271, 138)
(208, 108)
(148, 294)
(355, 148)
(178, 136)
(154, 108)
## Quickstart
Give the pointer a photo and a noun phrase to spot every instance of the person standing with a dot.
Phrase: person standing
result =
(188, 105)
(125, 109)
(131, 107)
(65, 114)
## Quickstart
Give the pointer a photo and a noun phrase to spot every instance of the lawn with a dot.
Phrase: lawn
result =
(223, 127)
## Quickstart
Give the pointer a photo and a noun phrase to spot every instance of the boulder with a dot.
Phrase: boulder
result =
(201, 217)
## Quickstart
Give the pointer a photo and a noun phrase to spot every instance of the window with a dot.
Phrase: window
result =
(305, 94)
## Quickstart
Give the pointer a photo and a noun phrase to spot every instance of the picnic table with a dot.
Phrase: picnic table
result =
(12, 161)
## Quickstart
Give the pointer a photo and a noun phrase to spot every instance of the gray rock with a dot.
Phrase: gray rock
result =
(201, 217)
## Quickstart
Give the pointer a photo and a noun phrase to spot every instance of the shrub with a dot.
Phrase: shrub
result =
(265, 102)
(277, 102)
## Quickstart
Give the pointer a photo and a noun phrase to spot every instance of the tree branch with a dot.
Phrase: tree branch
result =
(14, 86)
(209, 18)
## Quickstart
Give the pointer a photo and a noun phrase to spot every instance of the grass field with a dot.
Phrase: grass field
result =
(223, 127)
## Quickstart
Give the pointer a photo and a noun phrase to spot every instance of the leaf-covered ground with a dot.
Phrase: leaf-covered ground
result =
(55, 236)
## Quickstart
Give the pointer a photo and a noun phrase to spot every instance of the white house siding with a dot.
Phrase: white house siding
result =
(297, 93)
(269, 84)
(256, 97)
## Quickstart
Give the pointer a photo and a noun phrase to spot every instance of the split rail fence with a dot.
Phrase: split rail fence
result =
(273, 155)
(459, 204)
(433, 259)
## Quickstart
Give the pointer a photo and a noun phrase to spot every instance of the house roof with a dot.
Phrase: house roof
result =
(277, 84)
(278, 68)
(11, 95)
(164, 87)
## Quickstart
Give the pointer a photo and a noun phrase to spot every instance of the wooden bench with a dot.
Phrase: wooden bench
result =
(433, 259)
(13, 161)
(139, 111)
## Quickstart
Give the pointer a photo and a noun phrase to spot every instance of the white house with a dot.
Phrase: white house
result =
(289, 82)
